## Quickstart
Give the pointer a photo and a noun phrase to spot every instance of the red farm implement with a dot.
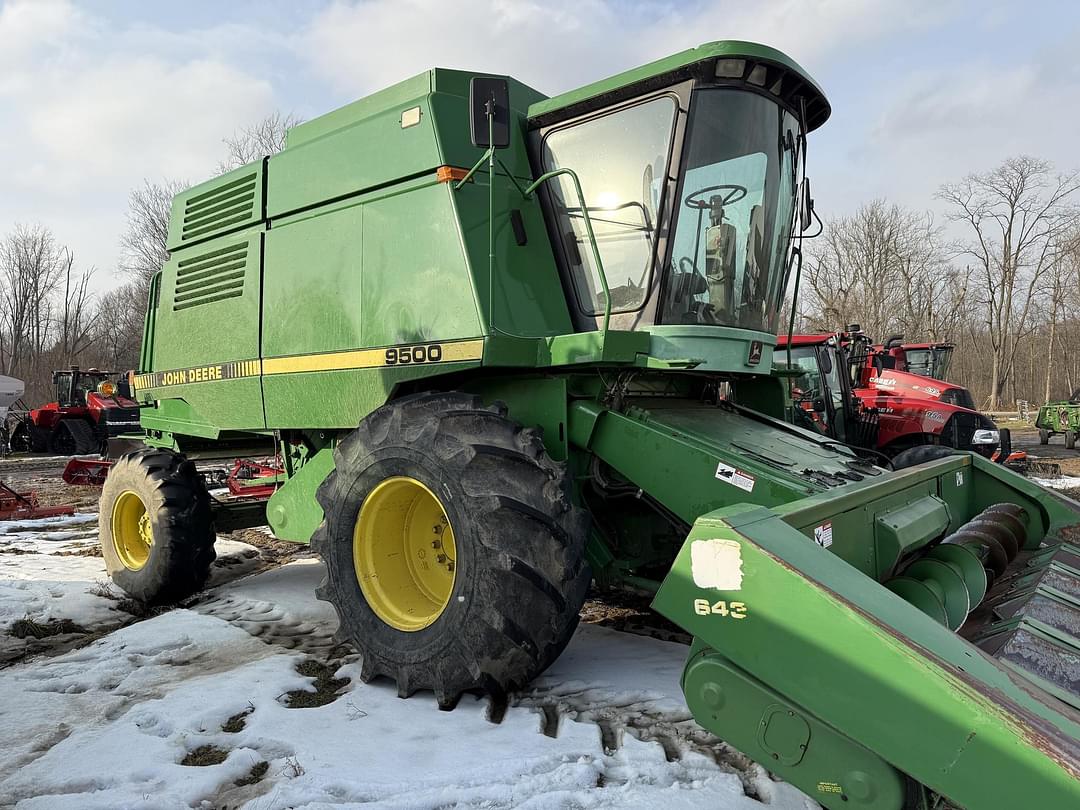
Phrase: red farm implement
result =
(246, 479)
(24, 506)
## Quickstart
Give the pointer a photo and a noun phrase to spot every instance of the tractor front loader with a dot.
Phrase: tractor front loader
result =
(506, 345)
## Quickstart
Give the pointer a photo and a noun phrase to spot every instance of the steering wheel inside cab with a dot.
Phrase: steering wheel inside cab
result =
(688, 281)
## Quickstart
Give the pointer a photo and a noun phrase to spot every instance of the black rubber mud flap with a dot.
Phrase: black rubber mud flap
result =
(178, 505)
(521, 575)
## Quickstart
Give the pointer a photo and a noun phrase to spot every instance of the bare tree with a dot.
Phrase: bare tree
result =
(76, 326)
(46, 307)
(118, 326)
(1015, 215)
(265, 137)
(31, 265)
(142, 245)
(885, 268)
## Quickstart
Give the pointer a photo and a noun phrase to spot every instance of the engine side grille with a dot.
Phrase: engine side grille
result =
(221, 208)
(213, 276)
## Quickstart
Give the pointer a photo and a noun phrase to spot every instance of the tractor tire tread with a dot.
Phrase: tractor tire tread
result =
(180, 561)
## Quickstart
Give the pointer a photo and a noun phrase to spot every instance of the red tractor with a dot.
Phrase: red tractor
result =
(846, 386)
(90, 408)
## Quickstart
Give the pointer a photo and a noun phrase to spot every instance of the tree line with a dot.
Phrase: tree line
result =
(999, 278)
(51, 318)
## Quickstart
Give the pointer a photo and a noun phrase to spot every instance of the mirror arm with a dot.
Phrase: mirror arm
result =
(588, 228)
(796, 255)
(468, 175)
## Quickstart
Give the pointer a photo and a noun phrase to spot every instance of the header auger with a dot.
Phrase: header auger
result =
(494, 373)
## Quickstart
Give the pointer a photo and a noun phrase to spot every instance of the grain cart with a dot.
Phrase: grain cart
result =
(1060, 417)
(497, 339)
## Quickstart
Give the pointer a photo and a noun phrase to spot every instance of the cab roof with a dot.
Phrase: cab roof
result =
(773, 71)
(802, 340)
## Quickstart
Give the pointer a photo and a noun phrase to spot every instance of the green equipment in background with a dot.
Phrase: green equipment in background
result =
(1060, 417)
(508, 345)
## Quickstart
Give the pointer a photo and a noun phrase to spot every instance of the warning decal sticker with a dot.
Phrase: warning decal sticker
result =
(823, 535)
(735, 477)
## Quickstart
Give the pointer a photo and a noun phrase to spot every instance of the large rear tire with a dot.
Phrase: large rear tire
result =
(156, 527)
(920, 455)
(454, 557)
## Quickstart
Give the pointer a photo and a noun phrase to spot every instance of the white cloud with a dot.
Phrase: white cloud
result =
(560, 44)
(141, 116)
(86, 113)
(26, 26)
(940, 125)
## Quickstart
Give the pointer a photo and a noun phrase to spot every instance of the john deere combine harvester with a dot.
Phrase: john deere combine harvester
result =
(495, 373)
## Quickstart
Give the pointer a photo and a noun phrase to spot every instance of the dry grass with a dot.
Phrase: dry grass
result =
(29, 628)
(205, 755)
(326, 686)
(236, 723)
(257, 772)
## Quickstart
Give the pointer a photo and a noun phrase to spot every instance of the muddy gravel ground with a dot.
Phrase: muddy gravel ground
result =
(41, 474)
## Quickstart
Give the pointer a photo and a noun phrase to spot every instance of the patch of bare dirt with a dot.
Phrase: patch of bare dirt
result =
(630, 613)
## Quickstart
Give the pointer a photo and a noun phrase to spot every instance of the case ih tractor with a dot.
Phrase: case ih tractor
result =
(507, 344)
(846, 392)
(90, 408)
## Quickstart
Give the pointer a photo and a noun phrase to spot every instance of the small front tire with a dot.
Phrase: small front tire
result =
(1044, 436)
(155, 526)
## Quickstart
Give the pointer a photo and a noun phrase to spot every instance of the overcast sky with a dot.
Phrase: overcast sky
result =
(97, 95)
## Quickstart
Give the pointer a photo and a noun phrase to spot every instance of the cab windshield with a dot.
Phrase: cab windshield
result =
(734, 212)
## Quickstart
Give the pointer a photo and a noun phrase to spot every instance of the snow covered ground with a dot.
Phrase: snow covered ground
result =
(242, 700)
(1061, 482)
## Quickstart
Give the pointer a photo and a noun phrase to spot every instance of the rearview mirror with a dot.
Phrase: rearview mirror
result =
(489, 97)
(806, 206)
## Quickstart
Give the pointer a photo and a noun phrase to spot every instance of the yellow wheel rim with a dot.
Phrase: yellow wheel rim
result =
(404, 554)
(132, 534)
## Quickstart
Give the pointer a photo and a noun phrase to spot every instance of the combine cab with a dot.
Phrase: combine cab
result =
(505, 345)
(90, 408)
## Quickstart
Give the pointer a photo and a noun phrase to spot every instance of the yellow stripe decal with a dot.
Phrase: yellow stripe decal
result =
(412, 354)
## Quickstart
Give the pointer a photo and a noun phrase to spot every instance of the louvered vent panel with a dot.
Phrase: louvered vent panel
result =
(220, 208)
(213, 276)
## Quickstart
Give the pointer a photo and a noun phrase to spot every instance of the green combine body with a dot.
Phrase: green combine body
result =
(493, 375)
